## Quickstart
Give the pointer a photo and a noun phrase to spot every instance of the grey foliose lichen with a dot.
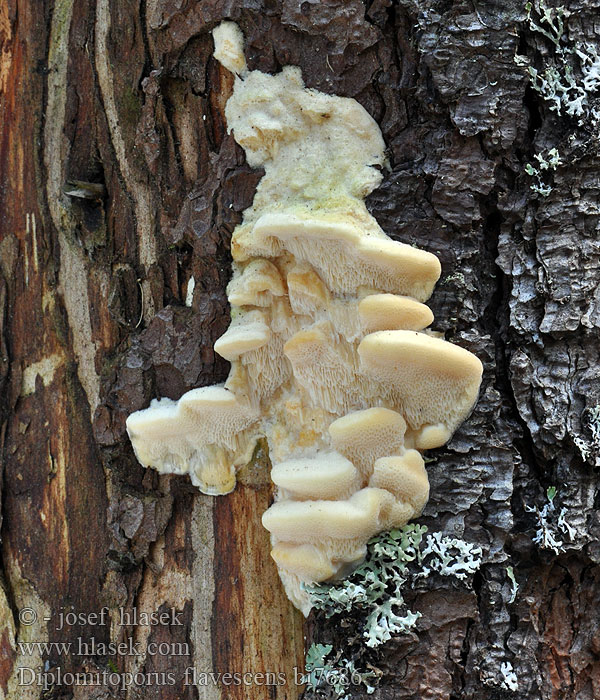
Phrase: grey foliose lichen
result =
(571, 75)
(589, 445)
(552, 525)
(568, 81)
(329, 674)
(373, 594)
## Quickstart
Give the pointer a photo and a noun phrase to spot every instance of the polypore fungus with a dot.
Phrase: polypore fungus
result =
(329, 363)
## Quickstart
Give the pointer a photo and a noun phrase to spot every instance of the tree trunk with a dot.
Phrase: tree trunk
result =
(120, 185)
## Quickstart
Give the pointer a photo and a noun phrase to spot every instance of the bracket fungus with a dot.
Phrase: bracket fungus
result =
(331, 362)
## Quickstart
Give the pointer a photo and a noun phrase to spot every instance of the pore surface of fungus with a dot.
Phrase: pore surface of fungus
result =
(329, 359)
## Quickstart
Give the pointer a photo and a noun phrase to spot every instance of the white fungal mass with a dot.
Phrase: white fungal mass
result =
(328, 359)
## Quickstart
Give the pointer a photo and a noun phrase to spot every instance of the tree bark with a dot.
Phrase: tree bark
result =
(120, 185)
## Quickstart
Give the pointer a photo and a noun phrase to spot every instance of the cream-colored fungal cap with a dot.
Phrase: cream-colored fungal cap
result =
(365, 436)
(430, 381)
(326, 476)
(203, 434)
(358, 517)
(405, 476)
(386, 312)
(250, 333)
(337, 531)
(256, 285)
(344, 256)
(327, 362)
(229, 47)
(307, 562)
